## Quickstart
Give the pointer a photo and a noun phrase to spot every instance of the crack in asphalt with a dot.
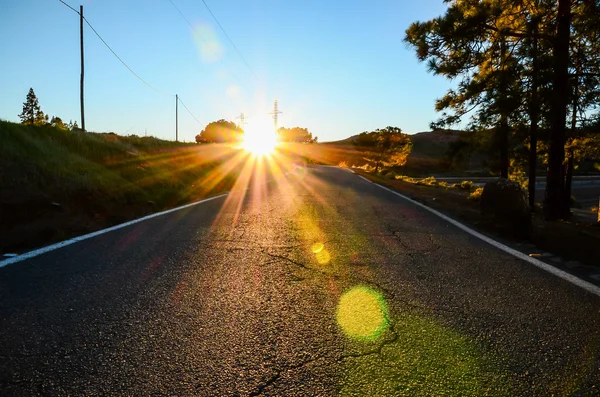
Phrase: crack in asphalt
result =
(275, 377)
(285, 258)
(379, 349)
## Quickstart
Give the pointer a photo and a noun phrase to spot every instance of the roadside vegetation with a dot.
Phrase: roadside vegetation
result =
(59, 182)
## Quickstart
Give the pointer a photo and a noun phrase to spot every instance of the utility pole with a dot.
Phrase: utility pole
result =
(81, 81)
(176, 118)
(275, 114)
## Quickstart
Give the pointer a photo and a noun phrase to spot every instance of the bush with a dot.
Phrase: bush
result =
(476, 194)
(466, 185)
(390, 175)
(429, 181)
(343, 164)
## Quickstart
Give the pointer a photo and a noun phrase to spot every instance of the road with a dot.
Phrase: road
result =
(317, 284)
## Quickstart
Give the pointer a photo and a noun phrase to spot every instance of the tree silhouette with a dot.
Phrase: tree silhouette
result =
(296, 134)
(58, 123)
(32, 113)
(220, 131)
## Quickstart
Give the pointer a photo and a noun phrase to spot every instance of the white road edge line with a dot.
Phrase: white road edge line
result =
(362, 177)
(61, 244)
(536, 262)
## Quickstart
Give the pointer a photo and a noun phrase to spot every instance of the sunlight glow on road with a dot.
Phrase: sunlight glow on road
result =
(362, 313)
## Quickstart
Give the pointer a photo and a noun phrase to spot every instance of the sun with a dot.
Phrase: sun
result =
(259, 138)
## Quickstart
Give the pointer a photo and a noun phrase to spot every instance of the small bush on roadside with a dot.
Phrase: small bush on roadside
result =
(429, 181)
(466, 185)
(476, 194)
(443, 184)
(390, 175)
(343, 164)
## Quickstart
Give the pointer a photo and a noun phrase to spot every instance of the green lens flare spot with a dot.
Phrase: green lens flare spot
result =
(362, 313)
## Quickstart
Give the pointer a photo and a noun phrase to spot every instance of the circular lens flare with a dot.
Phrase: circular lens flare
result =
(362, 313)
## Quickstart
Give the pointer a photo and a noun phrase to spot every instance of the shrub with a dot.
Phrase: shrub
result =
(390, 175)
(343, 164)
(476, 194)
(466, 185)
(405, 178)
(429, 181)
(443, 184)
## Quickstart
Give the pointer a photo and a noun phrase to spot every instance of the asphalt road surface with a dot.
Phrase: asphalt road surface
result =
(317, 284)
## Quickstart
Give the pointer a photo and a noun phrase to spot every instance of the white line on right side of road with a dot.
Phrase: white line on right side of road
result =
(536, 262)
(362, 177)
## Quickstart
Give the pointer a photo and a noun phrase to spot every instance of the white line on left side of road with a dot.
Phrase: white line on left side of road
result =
(536, 262)
(61, 244)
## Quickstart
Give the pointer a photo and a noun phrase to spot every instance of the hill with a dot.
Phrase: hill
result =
(58, 183)
(429, 148)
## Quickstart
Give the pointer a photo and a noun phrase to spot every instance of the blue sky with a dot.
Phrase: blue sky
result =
(335, 68)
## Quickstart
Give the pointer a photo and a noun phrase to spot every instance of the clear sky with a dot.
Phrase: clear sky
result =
(336, 68)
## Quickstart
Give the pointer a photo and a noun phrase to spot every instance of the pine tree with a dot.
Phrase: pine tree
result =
(32, 113)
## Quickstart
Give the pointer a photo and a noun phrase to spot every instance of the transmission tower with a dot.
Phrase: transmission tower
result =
(275, 114)
(242, 118)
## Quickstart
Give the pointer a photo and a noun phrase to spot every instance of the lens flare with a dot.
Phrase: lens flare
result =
(317, 247)
(323, 257)
(362, 313)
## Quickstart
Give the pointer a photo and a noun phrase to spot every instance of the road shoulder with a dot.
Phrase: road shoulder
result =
(563, 246)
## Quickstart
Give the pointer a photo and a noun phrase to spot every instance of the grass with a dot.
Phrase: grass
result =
(58, 183)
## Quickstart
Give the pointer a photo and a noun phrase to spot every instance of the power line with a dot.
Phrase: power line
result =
(115, 54)
(202, 38)
(231, 41)
(123, 62)
(69, 6)
(129, 68)
(191, 114)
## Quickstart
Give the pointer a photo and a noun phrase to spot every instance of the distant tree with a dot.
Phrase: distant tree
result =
(387, 146)
(32, 113)
(220, 131)
(72, 125)
(57, 122)
(296, 134)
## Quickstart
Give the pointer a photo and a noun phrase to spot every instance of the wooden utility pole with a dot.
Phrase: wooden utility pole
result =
(81, 81)
(176, 118)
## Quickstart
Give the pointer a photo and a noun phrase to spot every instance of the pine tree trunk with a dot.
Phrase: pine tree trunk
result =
(569, 179)
(555, 206)
(534, 110)
(570, 157)
(503, 129)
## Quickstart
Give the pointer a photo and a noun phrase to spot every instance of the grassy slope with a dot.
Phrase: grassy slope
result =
(56, 184)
